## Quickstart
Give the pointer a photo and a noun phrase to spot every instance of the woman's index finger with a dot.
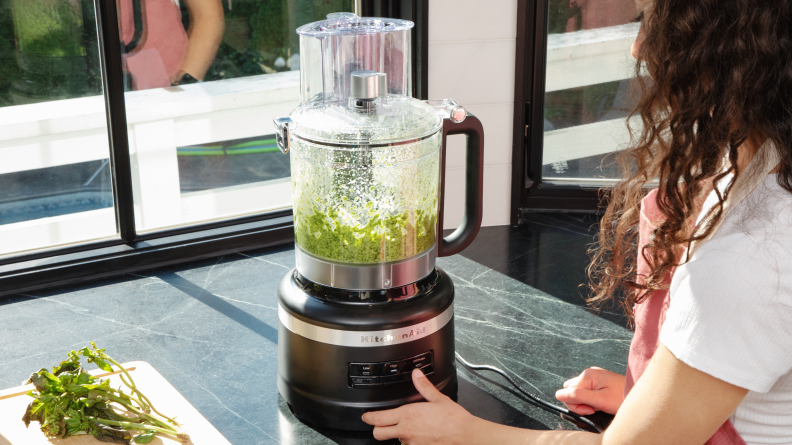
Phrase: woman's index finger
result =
(383, 418)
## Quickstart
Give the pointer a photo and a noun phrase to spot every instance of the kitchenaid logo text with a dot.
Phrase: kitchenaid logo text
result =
(387, 338)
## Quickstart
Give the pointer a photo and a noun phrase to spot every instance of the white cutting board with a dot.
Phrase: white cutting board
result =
(14, 402)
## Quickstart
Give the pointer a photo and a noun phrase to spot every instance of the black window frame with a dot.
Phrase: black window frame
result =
(530, 193)
(134, 252)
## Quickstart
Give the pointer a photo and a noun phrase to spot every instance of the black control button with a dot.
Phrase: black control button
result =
(364, 369)
(398, 379)
(390, 378)
(406, 377)
(417, 362)
(428, 370)
(390, 368)
(365, 386)
(364, 380)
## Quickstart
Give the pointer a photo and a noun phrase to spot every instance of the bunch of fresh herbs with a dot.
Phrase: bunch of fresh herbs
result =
(70, 402)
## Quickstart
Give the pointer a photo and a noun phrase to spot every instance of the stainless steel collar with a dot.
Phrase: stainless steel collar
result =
(365, 339)
(365, 277)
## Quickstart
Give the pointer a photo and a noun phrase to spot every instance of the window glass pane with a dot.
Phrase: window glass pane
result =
(588, 88)
(55, 184)
(204, 80)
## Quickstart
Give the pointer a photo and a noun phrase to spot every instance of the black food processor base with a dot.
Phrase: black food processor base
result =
(332, 385)
(321, 390)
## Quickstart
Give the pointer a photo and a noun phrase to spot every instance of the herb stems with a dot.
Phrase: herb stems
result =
(131, 385)
(135, 426)
(69, 401)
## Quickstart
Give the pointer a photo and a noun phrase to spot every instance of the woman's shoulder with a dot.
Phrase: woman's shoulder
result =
(751, 248)
(762, 221)
(731, 303)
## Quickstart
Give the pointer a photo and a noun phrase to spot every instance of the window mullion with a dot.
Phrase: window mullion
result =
(113, 83)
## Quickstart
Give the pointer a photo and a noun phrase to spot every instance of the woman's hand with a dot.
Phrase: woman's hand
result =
(595, 389)
(438, 421)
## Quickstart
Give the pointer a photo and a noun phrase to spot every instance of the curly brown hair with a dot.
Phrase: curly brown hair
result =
(714, 75)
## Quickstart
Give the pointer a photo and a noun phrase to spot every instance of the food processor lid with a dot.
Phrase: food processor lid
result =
(333, 50)
(396, 119)
(346, 23)
(356, 83)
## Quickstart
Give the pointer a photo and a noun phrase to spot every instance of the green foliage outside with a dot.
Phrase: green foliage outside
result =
(48, 28)
(274, 23)
(48, 51)
(268, 27)
(9, 70)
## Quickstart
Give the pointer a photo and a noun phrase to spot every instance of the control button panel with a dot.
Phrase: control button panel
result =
(374, 375)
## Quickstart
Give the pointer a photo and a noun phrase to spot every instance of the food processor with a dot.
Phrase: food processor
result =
(365, 304)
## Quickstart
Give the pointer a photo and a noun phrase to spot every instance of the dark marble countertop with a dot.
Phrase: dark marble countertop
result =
(210, 328)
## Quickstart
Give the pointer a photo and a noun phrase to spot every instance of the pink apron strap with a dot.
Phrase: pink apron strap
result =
(650, 315)
(158, 60)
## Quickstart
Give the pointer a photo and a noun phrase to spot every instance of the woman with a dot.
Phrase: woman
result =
(712, 302)
(167, 53)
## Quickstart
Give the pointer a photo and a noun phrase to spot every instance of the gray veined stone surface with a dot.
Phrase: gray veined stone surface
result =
(210, 328)
(540, 340)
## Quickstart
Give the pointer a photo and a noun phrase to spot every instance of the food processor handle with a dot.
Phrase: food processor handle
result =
(474, 185)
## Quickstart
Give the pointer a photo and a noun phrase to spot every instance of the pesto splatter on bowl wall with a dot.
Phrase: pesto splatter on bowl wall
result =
(366, 204)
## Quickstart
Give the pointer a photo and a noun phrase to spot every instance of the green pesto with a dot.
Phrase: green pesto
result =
(383, 239)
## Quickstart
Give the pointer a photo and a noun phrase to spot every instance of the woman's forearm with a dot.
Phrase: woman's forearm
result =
(205, 34)
(440, 420)
(488, 432)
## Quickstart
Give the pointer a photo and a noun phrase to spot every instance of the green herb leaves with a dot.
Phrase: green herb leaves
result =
(145, 438)
(69, 401)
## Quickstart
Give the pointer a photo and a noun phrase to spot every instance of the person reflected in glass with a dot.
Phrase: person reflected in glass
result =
(593, 14)
(709, 286)
(162, 53)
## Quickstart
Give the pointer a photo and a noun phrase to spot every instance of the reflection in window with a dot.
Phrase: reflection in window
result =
(202, 77)
(48, 51)
(588, 88)
(186, 41)
(55, 191)
(582, 106)
(55, 183)
(231, 163)
(204, 80)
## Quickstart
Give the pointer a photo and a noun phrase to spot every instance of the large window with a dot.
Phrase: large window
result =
(203, 80)
(587, 88)
(55, 185)
(205, 150)
(138, 133)
(574, 77)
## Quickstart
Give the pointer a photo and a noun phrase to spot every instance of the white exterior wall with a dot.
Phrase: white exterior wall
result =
(471, 59)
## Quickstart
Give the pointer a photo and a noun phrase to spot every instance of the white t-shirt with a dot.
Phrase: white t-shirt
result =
(731, 311)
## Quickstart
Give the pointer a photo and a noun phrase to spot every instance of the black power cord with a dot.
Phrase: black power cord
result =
(581, 421)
